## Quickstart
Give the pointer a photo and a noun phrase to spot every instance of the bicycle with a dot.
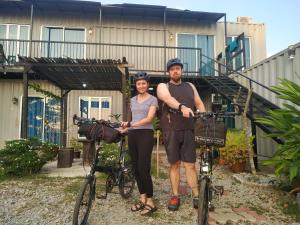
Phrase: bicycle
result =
(211, 140)
(120, 175)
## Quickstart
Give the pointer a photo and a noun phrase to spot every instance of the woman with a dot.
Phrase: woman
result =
(140, 141)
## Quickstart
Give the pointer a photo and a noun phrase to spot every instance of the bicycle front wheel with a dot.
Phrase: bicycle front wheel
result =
(84, 201)
(126, 183)
(203, 203)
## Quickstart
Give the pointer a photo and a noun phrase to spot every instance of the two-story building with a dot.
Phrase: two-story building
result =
(146, 35)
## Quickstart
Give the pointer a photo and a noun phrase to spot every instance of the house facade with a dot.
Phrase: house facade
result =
(146, 35)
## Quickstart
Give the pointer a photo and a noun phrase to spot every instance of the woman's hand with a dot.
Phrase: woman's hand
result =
(123, 130)
(124, 124)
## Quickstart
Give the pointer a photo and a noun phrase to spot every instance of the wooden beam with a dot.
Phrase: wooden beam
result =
(24, 123)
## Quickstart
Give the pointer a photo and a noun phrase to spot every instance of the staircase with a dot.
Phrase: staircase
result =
(229, 88)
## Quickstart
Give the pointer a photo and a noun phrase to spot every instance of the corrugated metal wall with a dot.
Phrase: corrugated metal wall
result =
(140, 31)
(10, 114)
(268, 72)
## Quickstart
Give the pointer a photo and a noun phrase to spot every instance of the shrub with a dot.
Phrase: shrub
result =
(109, 155)
(286, 122)
(25, 156)
(236, 149)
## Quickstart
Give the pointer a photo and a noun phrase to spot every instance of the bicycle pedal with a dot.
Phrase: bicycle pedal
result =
(219, 189)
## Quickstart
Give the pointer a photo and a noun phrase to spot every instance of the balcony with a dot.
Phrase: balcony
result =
(144, 57)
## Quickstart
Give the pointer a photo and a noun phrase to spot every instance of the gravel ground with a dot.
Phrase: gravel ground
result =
(43, 200)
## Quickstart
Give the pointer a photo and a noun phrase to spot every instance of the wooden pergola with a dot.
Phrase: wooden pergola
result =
(73, 74)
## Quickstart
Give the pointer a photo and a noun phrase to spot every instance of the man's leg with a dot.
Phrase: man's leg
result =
(174, 201)
(175, 177)
(191, 176)
(172, 144)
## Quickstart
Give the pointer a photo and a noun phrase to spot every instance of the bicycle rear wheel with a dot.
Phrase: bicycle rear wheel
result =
(203, 203)
(84, 201)
(126, 183)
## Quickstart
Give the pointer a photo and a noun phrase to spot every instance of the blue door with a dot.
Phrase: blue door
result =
(44, 119)
(52, 121)
(35, 117)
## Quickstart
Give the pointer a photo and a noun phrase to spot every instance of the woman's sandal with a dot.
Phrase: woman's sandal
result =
(138, 206)
(149, 210)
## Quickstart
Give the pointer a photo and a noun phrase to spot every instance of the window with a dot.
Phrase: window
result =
(193, 60)
(56, 42)
(95, 107)
(14, 39)
(237, 62)
(44, 119)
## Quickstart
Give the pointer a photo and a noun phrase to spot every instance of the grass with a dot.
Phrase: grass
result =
(258, 209)
(74, 187)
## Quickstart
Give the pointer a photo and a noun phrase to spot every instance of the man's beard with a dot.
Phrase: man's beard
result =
(176, 79)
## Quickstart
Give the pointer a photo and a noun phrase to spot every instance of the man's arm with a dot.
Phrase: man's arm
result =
(198, 102)
(164, 95)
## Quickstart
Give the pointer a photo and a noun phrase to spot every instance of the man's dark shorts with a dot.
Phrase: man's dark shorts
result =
(180, 145)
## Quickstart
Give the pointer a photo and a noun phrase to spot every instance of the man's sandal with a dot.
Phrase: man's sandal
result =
(148, 209)
(137, 207)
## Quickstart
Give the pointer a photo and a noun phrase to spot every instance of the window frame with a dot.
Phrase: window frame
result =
(63, 41)
(250, 53)
(197, 64)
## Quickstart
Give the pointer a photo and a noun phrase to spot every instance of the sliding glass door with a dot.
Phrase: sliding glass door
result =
(63, 42)
(192, 59)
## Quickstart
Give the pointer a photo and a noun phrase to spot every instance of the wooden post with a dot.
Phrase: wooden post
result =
(24, 120)
(157, 154)
(248, 132)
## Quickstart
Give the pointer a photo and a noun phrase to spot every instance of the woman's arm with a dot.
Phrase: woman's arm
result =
(148, 119)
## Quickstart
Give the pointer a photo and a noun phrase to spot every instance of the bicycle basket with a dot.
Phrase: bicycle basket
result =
(99, 131)
(210, 132)
(110, 135)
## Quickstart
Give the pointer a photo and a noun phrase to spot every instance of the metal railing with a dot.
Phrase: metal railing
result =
(143, 57)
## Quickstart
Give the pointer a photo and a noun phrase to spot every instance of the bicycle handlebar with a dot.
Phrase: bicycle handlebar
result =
(80, 120)
(198, 114)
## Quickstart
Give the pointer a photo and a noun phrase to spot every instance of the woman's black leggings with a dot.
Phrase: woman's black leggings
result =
(140, 143)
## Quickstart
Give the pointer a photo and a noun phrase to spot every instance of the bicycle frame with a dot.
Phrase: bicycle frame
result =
(205, 169)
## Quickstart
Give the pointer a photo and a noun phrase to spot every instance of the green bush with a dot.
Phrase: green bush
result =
(286, 121)
(109, 155)
(25, 156)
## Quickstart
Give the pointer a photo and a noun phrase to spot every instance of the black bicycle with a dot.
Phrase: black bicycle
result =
(210, 134)
(120, 175)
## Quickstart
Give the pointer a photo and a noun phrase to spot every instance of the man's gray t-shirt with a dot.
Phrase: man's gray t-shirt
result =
(140, 110)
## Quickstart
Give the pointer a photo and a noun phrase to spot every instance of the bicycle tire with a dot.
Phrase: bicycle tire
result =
(126, 184)
(203, 203)
(87, 190)
(110, 183)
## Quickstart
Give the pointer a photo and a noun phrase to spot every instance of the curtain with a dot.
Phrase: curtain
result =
(187, 56)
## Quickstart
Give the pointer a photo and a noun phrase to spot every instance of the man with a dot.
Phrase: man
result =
(178, 130)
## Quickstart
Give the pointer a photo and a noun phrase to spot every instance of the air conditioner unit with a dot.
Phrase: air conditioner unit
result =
(244, 19)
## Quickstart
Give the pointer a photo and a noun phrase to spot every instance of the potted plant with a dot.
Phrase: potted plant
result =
(77, 146)
(235, 152)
